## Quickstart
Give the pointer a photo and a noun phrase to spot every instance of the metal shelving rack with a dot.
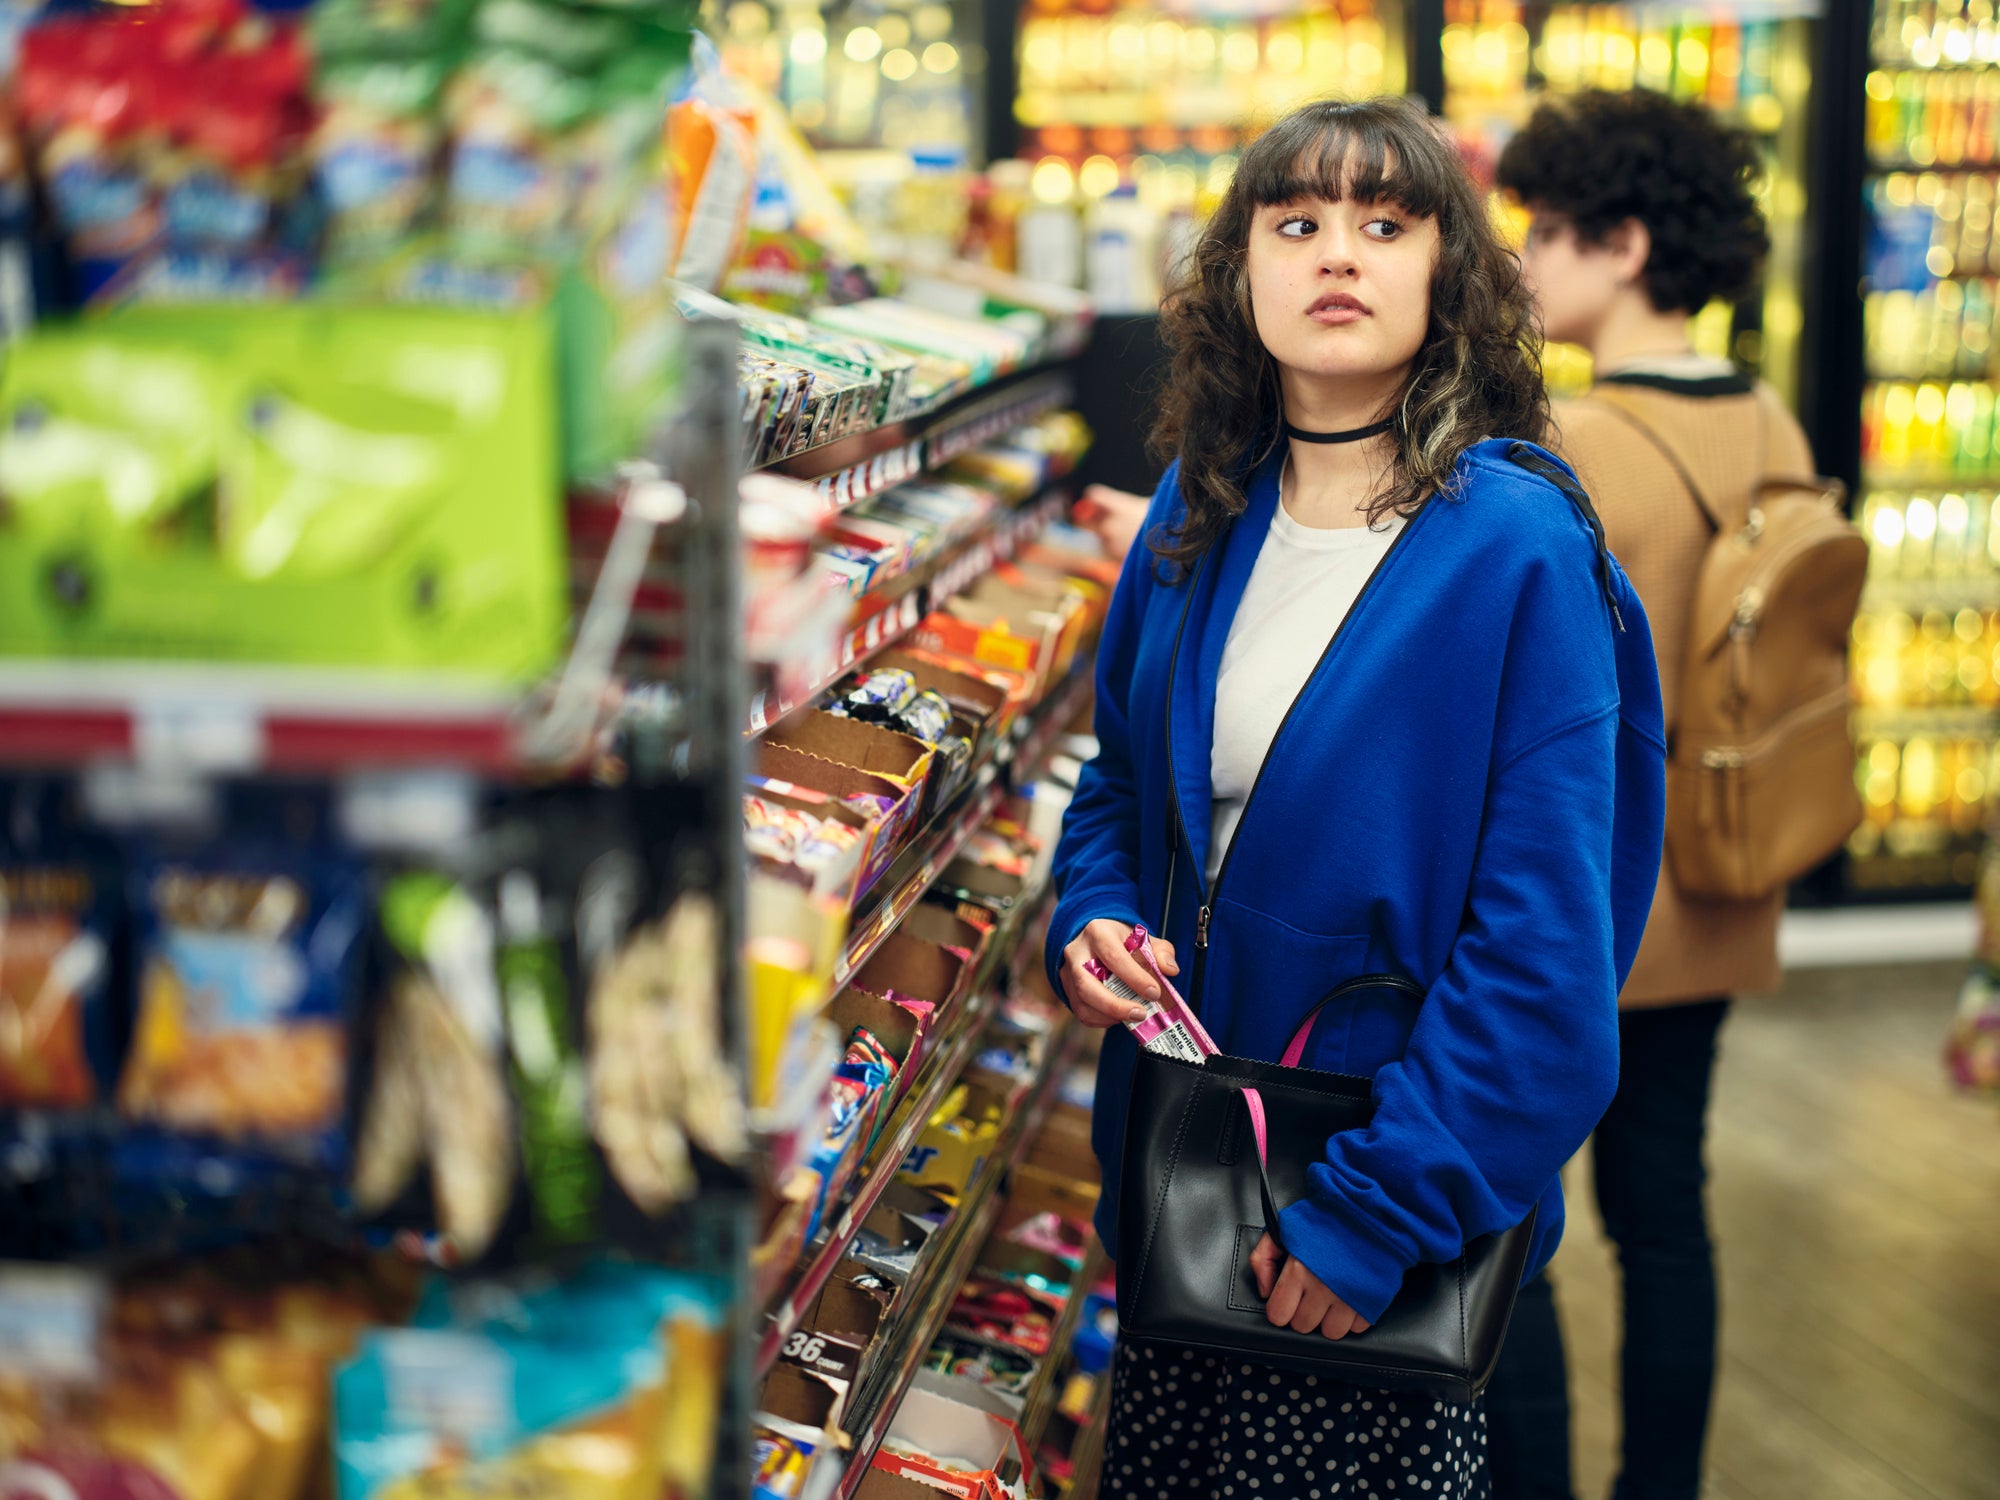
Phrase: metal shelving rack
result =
(1016, 761)
(182, 727)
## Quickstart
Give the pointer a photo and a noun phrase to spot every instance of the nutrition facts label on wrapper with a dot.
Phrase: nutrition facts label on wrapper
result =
(1157, 1030)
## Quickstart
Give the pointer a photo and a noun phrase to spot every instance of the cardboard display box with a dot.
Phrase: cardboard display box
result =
(898, 1028)
(784, 1238)
(1019, 687)
(896, 1231)
(1062, 1146)
(906, 1035)
(835, 1336)
(837, 881)
(793, 768)
(989, 887)
(915, 970)
(880, 1484)
(1033, 1191)
(802, 1406)
(986, 702)
(948, 1417)
(901, 758)
(1083, 602)
(952, 1149)
(934, 924)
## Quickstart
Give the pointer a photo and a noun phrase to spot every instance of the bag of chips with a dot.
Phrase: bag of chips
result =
(247, 984)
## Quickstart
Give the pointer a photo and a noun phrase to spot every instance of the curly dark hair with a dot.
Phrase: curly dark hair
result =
(1477, 375)
(1599, 158)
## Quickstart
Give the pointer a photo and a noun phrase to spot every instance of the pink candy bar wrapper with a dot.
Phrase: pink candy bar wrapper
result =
(1167, 1025)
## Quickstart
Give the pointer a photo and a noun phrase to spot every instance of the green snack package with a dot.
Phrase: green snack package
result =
(580, 41)
(105, 439)
(376, 487)
(388, 28)
(551, 1085)
(374, 151)
(319, 488)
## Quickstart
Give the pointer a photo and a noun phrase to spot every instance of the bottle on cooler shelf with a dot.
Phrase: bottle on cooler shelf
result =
(1122, 252)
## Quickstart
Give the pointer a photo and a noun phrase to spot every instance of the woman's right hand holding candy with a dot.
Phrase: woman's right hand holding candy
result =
(1104, 941)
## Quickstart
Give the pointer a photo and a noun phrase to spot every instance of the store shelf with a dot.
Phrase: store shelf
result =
(1962, 278)
(916, 1106)
(1911, 65)
(1885, 165)
(213, 717)
(906, 882)
(934, 849)
(985, 417)
(871, 476)
(1046, 1388)
(912, 874)
(957, 428)
(1215, 110)
(883, 618)
(1087, 1458)
(1979, 591)
(1959, 720)
(934, 1287)
(1052, 720)
(879, 1171)
(1875, 481)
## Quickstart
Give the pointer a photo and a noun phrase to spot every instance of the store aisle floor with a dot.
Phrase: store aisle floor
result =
(1857, 1209)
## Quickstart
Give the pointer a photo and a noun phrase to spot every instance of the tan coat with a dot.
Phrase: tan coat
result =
(1694, 948)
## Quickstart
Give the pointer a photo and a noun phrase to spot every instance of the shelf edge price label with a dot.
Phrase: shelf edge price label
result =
(186, 735)
(50, 1323)
(455, 1383)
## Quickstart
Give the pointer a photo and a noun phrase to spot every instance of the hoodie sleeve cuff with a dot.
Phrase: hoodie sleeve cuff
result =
(1346, 1252)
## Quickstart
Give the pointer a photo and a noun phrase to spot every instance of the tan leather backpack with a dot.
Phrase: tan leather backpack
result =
(1760, 764)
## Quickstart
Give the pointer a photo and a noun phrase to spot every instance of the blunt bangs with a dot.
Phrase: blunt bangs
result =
(1339, 152)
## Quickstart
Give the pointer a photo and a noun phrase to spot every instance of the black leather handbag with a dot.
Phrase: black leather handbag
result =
(1199, 1192)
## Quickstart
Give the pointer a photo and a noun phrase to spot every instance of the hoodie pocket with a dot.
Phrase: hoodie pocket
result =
(1261, 977)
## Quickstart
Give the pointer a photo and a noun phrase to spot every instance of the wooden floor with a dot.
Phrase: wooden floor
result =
(1856, 1207)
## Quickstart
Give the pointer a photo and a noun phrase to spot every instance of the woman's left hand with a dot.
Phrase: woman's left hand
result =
(1294, 1295)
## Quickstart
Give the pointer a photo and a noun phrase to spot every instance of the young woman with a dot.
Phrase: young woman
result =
(1371, 699)
(1644, 211)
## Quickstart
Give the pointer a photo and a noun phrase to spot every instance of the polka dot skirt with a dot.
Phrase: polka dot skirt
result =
(1189, 1426)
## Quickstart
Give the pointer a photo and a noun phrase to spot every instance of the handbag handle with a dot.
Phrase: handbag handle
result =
(1296, 1047)
(1254, 1103)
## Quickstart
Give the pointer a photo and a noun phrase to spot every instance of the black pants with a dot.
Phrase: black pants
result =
(1649, 1175)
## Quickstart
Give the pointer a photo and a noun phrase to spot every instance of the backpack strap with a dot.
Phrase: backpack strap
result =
(1609, 396)
(1528, 457)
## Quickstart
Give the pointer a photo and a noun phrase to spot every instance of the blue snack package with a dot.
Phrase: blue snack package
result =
(551, 1388)
(248, 978)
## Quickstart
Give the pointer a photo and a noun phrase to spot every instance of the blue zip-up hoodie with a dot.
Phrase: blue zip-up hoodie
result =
(1469, 792)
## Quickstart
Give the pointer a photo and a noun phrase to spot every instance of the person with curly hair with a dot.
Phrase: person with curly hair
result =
(1643, 211)
(1365, 597)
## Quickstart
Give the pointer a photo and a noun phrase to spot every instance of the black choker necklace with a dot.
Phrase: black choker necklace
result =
(1352, 435)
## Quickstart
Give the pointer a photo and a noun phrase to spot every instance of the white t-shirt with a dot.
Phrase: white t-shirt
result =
(1305, 582)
